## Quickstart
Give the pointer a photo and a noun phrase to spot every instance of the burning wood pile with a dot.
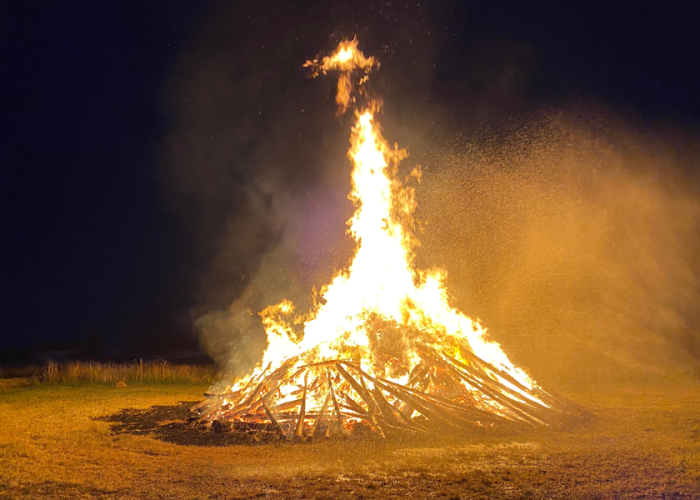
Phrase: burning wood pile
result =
(381, 351)
(338, 398)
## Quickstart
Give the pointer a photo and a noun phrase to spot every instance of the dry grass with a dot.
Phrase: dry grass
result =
(138, 371)
(644, 443)
(15, 383)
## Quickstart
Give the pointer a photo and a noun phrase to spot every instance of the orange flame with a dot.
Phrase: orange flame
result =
(346, 59)
(381, 311)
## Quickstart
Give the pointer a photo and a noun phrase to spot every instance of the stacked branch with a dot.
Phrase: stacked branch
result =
(338, 397)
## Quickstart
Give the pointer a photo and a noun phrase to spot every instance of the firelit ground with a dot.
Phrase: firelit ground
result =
(95, 441)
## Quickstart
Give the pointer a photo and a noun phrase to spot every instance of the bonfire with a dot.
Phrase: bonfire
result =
(382, 351)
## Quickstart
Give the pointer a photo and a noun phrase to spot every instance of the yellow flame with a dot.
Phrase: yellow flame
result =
(344, 55)
(381, 310)
(346, 59)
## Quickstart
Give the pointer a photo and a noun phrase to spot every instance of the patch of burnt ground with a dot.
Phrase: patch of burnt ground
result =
(176, 424)
(171, 424)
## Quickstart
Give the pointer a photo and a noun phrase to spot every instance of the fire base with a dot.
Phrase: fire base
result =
(337, 398)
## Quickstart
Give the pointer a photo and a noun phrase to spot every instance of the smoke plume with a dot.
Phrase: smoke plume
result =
(571, 235)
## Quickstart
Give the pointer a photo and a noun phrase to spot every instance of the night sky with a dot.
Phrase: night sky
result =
(100, 231)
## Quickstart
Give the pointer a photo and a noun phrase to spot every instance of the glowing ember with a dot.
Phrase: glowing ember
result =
(382, 345)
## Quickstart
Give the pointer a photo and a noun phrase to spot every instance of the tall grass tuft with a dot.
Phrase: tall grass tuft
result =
(137, 371)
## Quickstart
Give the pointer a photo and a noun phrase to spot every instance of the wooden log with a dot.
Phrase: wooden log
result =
(286, 405)
(210, 412)
(388, 412)
(359, 389)
(320, 415)
(398, 393)
(549, 398)
(471, 413)
(292, 418)
(313, 385)
(353, 405)
(434, 417)
(338, 415)
(498, 398)
(396, 415)
(283, 370)
(302, 409)
(475, 383)
(536, 406)
(247, 401)
(281, 417)
(437, 405)
(505, 397)
(364, 394)
(209, 401)
(517, 404)
(275, 424)
(371, 410)
(437, 400)
(247, 405)
(418, 372)
(236, 396)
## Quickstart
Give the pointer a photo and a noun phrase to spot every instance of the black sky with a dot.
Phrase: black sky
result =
(92, 238)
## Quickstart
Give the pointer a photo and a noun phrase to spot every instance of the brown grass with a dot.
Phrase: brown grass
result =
(137, 371)
(15, 383)
(643, 443)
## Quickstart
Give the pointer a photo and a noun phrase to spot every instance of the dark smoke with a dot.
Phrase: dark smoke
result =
(252, 165)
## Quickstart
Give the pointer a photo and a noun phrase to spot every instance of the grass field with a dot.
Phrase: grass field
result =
(55, 443)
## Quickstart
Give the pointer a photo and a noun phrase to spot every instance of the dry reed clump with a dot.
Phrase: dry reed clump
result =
(137, 371)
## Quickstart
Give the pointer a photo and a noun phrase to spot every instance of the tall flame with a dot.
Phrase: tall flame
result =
(381, 311)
